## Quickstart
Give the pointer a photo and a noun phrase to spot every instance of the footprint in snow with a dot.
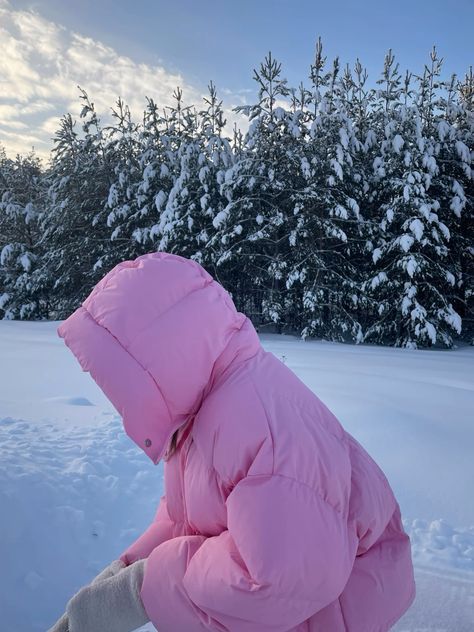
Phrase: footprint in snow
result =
(72, 401)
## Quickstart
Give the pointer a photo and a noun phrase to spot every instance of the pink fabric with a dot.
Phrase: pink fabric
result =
(274, 518)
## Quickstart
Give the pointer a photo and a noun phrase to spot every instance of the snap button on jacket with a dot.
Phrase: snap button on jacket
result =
(273, 518)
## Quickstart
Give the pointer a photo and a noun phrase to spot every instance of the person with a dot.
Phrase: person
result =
(273, 517)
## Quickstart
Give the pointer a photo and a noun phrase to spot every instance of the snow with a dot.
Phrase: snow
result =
(445, 230)
(379, 278)
(431, 331)
(305, 168)
(425, 211)
(463, 151)
(458, 189)
(112, 198)
(450, 277)
(443, 130)
(220, 218)
(344, 138)
(370, 139)
(377, 253)
(406, 241)
(397, 143)
(203, 173)
(416, 228)
(340, 211)
(454, 319)
(75, 490)
(411, 266)
(377, 163)
(115, 233)
(457, 205)
(430, 163)
(4, 299)
(5, 254)
(337, 168)
(353, 206)
(160, 199)
(25, 261)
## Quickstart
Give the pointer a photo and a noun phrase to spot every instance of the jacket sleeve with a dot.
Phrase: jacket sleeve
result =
(160, 530)
(286, 553)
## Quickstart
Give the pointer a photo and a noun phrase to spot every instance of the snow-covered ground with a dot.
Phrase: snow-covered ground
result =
(75, 490)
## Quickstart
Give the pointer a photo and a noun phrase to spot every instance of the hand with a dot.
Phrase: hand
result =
(62, 625)
(109, 571)
(109, 605)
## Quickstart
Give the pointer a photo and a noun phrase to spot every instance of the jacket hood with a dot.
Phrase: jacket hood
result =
(156, 334)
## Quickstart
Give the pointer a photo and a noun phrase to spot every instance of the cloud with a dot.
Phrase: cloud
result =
(43, 63)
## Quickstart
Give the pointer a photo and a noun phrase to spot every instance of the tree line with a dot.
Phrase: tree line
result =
(343, 212)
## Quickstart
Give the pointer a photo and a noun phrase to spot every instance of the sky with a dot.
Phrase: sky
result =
(115, 48)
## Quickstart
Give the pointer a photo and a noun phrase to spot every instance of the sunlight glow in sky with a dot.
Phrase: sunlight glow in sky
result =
(117, 48)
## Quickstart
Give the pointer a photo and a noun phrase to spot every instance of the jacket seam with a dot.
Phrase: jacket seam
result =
(295, 480)
(268, 425)
(212, 460)
(273, 473)
(233, 331)
(161, 314)
(313, 489)
(131, 356)
(343, 440)
(207, 281)
(401, 611)
(354, 444)
(346, 627)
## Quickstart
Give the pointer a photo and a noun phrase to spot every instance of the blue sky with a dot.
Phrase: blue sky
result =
(151, 46)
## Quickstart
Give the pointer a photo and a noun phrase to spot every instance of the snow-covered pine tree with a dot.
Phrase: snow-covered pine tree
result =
(22, 198)
(122, 215)
(202, 153)
(359, 103)
(176, 223)
(180, 218)
(326, 232)
(465, 150)
(78, 181)
(410, 281)
(218, 158)
(453, 132)
(158, 171)
(252, 231)
(6, 169)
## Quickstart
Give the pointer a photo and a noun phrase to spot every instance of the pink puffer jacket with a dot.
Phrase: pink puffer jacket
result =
(274, 518)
